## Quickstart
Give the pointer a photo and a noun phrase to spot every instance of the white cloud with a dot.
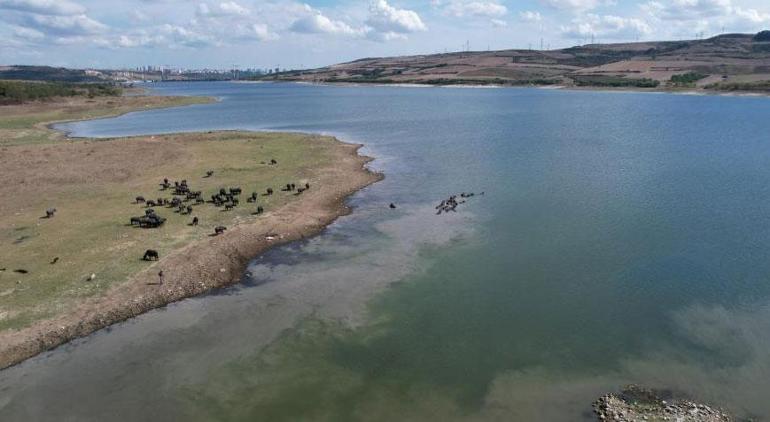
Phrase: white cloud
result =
(385, 36)
(141, 39)
(203, 10)
(386, 19)
(262, 32)
(233, 8)
(685, 17)
(384, 23)
(530, 16)
(688, 9)
(248, 32)
(57, 21)
(488, 9)
(65, 25)
(606, 26)
(498, 23)
(216, 24)
(138, 16)
(316, 23)
(44, 7)
(753, 16)
(228, 8)
(575, 5)
(181, 36)
(174, 36)
(28, 34)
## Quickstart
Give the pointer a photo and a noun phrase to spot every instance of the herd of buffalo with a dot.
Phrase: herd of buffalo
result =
(184, 199)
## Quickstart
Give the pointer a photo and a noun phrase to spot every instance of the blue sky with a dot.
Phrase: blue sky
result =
(294, 34)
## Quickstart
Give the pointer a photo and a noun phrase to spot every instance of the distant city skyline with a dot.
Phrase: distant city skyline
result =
(290, 35)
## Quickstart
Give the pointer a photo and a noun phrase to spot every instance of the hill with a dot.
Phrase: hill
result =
(729, 62)
(47, 73)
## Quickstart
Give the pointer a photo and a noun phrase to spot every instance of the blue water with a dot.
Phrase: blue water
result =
(622, 238)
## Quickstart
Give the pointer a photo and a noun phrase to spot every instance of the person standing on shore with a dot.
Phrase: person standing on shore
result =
(160, 277)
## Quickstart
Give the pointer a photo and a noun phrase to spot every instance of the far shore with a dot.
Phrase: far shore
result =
(664, 90)
(192, 259)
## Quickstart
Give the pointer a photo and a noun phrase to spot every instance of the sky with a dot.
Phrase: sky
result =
(294, 34)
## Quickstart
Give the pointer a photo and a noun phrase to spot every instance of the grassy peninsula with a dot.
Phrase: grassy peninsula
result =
(82, 269)
(27, 123)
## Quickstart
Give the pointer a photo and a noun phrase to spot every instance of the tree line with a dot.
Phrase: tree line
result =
(18, 92)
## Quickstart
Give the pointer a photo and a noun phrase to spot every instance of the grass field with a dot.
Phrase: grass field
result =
(93, 183)
(26, 124)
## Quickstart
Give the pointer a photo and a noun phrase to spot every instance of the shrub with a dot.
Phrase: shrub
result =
(687, 79)
(762, 36)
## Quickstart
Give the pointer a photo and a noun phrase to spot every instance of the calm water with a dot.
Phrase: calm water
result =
(622, 238)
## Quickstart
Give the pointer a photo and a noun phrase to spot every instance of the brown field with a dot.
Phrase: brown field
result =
(729, 58)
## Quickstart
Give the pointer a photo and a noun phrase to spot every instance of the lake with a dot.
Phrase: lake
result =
(621, 238)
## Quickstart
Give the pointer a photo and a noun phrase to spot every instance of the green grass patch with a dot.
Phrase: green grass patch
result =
(26, 124)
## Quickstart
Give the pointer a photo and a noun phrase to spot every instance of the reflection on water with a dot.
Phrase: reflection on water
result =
(622, 238)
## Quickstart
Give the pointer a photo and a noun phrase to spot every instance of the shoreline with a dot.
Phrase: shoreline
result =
(688, 91)
(66, 134)
(202, 265)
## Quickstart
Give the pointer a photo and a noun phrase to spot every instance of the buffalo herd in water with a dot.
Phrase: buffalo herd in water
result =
(451, 203)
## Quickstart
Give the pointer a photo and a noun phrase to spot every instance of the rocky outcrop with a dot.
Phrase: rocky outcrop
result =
(635, 403)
